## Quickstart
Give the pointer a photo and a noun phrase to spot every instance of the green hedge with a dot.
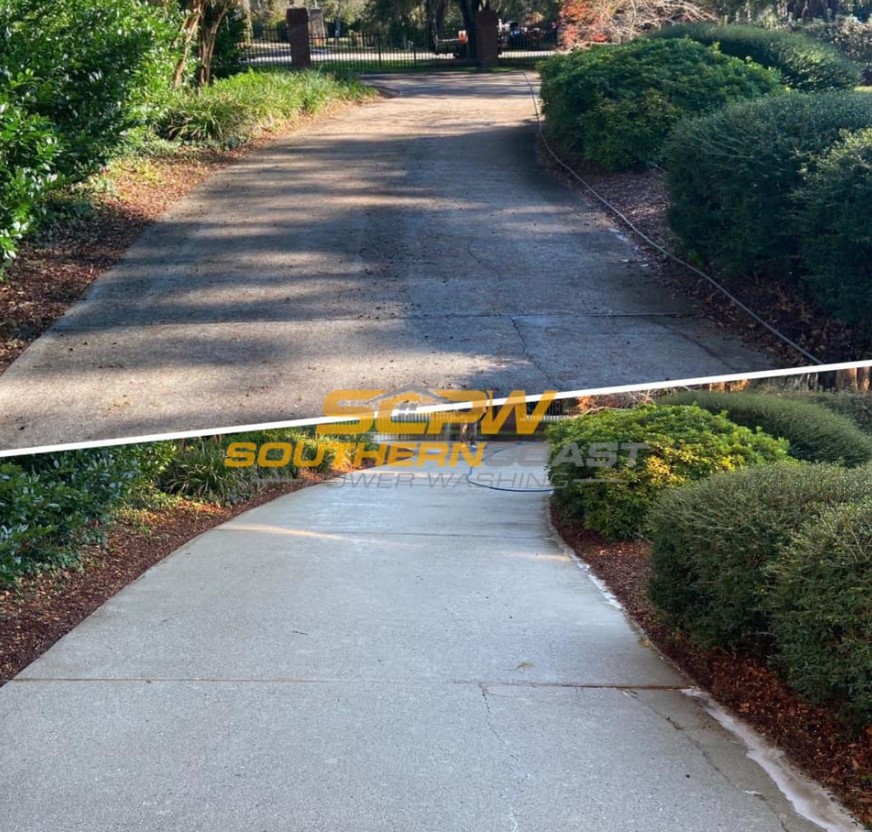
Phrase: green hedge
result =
(821, 609)
(615, 105)
(733, 177)
(805, 64)
(855, 406)
(835, 228)
(714, 541)
(683, 444)
(815, 433)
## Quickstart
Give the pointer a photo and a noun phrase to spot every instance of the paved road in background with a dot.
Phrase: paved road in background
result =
(414, 241)
(377, 659)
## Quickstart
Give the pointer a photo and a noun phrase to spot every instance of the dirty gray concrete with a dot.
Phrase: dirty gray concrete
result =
(416, 240)
(380, 654)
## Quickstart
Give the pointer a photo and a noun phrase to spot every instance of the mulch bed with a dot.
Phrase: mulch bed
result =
(813, 738)
(41, 609)
(642, 197)
(54, 268)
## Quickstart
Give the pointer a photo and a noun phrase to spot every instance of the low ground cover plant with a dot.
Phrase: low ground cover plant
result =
(616, 105)
(50, 504)
(684, 443)
(805, 64)
(815, 433)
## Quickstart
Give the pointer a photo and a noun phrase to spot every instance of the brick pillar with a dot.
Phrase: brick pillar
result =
(298, 38)
(487, 38)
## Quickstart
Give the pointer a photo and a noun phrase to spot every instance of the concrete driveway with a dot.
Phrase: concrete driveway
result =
(383, 654)
(414, 241)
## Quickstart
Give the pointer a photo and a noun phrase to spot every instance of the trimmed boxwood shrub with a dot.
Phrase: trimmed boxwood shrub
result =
(805, 64)
(856, 406)
(815, 433)
(683, 444)
(714, 540)
(615, 105)
(733, 176)
(835, 228)
(821, 609)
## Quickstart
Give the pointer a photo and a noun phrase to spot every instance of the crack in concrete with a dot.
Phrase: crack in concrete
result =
(520, 774)
(706, 755)
(525, 352)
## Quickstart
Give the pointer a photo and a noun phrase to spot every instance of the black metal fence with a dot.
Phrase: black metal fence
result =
(374, 51)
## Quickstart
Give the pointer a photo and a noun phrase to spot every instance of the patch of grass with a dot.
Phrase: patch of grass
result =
(230, 111)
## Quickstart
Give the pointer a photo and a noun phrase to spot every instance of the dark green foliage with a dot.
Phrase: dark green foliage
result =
(683, 444)
(615, 105)
(834, 208)
(197, 471)
(28, 148)
(815, 433)
(73, 77)
(49, 502)
(93, 68)
(856, 406)
(714, 540)
(805, 64)
(229, 46)
(821, 609)
(733, 177)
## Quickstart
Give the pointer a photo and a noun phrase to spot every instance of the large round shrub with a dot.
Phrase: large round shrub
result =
(92, 68)
(821, 607)
(834, 209)
(733, 175)
(805, 64)
(611, 489)
(815, 433)
(714, 540)
(855, 406)
(615, 105)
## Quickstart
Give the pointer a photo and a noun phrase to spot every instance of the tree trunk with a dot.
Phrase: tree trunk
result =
(189, 29)
(208, 36)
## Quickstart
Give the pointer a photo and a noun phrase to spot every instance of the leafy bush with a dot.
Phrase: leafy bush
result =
(815, 433)
(835, 228)
(93, 68)
(228, 111)
(615, 105)
(28, 149)
(821, 609)
(714, 540)
(683, 444)
(733, 176)
(805, 64)
(48, 503)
